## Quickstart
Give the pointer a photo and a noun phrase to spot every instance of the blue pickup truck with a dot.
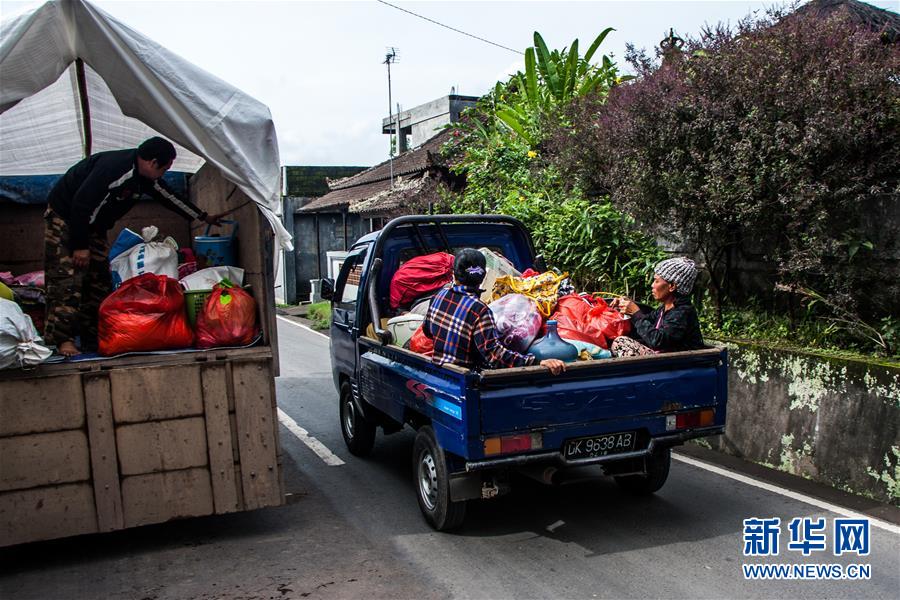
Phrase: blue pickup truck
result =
(475, 427)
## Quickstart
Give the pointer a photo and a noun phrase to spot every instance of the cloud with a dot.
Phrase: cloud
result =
(511, 69)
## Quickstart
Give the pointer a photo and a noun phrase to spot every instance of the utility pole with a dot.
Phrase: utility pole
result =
(389, 58)
(401, 143)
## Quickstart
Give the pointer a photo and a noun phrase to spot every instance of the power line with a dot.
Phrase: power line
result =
(480, 39)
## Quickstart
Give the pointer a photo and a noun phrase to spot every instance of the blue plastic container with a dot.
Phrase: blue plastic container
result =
(215, 249)
(553, 346)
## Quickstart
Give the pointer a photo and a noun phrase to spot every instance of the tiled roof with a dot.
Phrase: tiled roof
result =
(377, 180)
(409, 195)
(873, 17)
(340, 199)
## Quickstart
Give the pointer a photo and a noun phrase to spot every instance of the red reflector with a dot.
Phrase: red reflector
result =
(515, 443)
(699, 418)
(686, 420)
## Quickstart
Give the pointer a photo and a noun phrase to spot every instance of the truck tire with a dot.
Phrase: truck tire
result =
(358, 432)
(657, 472)
(433, 483)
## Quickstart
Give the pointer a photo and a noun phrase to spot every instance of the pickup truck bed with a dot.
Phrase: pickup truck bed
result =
(590, 398)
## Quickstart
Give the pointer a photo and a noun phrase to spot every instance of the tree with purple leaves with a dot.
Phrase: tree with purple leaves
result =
(775, 140)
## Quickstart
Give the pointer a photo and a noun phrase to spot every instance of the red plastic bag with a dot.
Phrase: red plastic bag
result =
(146, 313)
(421, 343)
(420, 275)
(589, 319)
(611, 322)
(228, 318)
(573, 320)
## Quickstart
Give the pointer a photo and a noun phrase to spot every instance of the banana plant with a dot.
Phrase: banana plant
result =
(551, 80)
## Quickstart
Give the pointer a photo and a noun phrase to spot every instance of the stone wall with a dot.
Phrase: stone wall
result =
(832, 420)
(753, 277)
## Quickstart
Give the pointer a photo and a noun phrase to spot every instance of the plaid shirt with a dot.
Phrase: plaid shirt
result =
(465, 334)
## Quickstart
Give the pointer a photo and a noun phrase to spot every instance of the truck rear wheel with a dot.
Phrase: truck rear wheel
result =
(433, 483)
(657, 472)
(358, 432)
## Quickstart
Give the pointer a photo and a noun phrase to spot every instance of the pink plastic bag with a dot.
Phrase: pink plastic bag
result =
(35, 278)
(518, 321)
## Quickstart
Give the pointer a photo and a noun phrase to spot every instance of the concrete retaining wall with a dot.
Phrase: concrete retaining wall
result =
(831, 420)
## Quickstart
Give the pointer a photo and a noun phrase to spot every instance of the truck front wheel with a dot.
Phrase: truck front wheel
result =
(433, 483)
(657, 472)
(358, 432)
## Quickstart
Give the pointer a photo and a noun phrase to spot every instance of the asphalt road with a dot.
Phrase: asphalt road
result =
(584, 540)
(352, 529)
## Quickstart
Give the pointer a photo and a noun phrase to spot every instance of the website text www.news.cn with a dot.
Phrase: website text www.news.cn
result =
(807, 537)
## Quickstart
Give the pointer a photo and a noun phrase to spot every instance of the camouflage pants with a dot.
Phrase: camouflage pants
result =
(73, 295)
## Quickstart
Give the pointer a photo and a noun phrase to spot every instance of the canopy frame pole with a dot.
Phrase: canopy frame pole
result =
(85, 106)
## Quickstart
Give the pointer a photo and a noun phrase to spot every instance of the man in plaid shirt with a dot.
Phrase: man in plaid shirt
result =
(463, 328)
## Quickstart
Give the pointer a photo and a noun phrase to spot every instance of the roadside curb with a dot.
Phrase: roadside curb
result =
(292, 311)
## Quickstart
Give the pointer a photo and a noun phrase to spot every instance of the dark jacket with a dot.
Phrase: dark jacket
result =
(679, 328)
(99, 190)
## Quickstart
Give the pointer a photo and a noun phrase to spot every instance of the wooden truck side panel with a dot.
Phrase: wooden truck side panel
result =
(143, 443)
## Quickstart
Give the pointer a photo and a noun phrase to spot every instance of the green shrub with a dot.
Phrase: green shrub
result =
(756, 324)
(320, 315)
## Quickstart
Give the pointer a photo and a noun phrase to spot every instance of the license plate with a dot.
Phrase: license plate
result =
(600, 445)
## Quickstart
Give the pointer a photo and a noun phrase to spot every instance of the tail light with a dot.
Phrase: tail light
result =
(508, 444)
(697, 418)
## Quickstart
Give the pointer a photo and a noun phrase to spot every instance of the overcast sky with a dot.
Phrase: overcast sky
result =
(318, 65)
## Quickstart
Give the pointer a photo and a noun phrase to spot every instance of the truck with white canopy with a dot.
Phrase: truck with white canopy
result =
(99, 445)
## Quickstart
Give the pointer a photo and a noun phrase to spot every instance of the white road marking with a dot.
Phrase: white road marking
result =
(302, 326)
(555, 526)
(788, 493)
(315, 445)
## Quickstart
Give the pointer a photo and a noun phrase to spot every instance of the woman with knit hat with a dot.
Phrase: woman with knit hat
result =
(674, 325)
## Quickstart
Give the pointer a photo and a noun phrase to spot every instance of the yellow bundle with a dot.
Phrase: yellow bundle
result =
(543, 289)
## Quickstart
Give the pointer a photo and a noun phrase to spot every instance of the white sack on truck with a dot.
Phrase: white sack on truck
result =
(159, 258)
(20, 344)
(206, 279)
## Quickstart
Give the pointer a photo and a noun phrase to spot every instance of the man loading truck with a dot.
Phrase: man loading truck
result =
(82, 207)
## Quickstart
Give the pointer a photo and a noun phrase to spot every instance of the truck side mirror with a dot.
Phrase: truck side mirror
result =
(327, 291)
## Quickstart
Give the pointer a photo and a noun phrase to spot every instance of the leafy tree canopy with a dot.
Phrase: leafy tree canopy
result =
(772, 140)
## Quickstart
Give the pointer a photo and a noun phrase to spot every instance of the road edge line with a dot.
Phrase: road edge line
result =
(321, 450)
(844, 512)
(302, 326)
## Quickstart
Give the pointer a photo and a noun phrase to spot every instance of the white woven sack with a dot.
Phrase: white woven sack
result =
(160, 258)
(20, 344)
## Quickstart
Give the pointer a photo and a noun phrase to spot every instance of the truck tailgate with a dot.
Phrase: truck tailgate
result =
(530, 398)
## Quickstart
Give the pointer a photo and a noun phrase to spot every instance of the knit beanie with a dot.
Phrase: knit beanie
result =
(469, 267)
(681, 271)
